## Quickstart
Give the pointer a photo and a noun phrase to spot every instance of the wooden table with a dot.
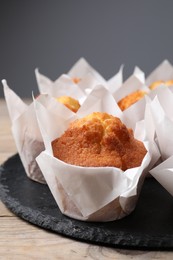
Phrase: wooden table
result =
(21, 240)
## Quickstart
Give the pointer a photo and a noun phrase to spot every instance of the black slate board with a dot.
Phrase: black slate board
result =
(149, 227)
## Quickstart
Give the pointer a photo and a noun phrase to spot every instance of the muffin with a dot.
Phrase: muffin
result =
(130, 99)
(155, 84)
(69, 102)
(99, 140)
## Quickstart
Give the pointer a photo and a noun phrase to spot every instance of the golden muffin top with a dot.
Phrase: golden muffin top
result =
(99, 140)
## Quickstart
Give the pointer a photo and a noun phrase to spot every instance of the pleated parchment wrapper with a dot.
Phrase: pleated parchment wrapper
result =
(162, 72)
(86, 79)
(137, 81)
(25, 130)
(90, 193)
(161, 110)
(134, 83)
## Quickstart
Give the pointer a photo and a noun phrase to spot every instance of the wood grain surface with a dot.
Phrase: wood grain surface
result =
(20, 240)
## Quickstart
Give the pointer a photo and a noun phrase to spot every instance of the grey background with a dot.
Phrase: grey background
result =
(52, 35)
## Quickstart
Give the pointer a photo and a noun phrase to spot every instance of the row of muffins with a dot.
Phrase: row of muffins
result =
(99, 139)
(123, 103)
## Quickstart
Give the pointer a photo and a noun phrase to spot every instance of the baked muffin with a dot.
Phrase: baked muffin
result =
(130, 99)
(155, 84)
(99, 140)
(69, 102)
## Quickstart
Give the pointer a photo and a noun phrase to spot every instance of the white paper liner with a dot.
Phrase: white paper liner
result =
(136, 111)
(55, 112)
(161, 110)
(89, 193)
(82, 68)
(137, 82)
(92, 190)
(131, 85)
(163, 173)
(163, 72)
(26, 133)
(63, 86)
(114, 83)
(139, 74)
(88, 76)
(145, 131)
(99, 99)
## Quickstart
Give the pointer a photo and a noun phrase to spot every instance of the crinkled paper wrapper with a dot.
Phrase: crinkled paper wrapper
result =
(91, 193)
(163, 72)
(161, 110)
(137, 81)
(88, 79)
(26, 133)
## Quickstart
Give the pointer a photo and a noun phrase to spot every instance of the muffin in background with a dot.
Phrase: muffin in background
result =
(131, 99)
(155, 84)
(69, 102)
